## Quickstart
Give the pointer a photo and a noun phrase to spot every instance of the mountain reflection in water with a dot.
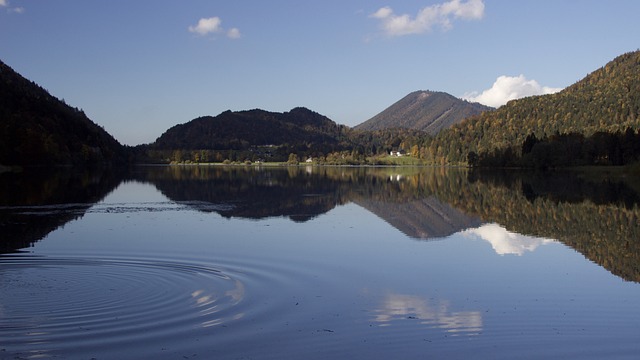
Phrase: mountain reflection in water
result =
(598, 216)
(317, 262)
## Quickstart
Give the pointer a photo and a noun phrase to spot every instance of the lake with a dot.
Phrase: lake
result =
(201, 262)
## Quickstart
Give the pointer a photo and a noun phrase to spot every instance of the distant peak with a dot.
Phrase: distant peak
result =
(423, 110)
(422, 92)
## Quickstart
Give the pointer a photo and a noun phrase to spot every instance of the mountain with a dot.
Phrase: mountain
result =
(39, 129)
(424, 110)
(248, 135)
(426, 218)
(238, 130)
(605, 101)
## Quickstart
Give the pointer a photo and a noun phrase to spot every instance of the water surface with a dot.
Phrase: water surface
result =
(218, 262)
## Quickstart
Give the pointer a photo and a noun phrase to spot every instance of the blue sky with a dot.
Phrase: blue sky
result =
(139, 67)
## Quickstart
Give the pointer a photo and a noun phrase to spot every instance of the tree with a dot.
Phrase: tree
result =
(529, 143)
(293, 159)
(415, 151)
(472, 159)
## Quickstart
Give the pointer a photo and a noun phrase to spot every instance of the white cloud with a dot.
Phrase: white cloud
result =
(207, 25)
(16, 10)
(234, 33)
(434, 15)
(505, 242)
(212, 25)
(381, 13)
(507, 88)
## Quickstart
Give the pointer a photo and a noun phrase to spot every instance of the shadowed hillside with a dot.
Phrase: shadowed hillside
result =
(38, 129)
(298, 128)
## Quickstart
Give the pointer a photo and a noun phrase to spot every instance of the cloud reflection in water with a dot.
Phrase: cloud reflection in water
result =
(210, 304)
(505, 242)
(437, 314)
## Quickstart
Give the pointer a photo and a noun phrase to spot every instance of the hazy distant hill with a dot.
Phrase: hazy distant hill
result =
(607, 100)
(424, 110)
(38, 129)
(238, 130)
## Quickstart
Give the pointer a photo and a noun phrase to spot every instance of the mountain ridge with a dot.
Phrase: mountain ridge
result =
(425, 110)
(38, 129)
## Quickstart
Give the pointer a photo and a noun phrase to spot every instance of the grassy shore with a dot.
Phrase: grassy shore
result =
(370, 161)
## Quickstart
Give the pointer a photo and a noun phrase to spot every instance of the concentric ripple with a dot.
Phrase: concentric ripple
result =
(50, 305)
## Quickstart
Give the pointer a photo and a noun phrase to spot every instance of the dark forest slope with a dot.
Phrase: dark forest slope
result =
(238, 130)
(39, 129)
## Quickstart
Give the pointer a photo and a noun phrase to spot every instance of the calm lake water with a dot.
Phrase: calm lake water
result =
(317, 263)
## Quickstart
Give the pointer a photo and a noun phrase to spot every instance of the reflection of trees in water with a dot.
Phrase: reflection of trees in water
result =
(596, 216)
(253, 194)
(35, 202)
(404, 197)
(568, 186)
(599, 218)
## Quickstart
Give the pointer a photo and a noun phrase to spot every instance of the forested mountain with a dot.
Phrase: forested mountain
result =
(590, 117)
(424, 110)
(237, 130)
(297, 130)
(38, 129)
(595, 121)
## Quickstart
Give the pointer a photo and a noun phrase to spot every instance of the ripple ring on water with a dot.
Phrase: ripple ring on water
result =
(60, 301)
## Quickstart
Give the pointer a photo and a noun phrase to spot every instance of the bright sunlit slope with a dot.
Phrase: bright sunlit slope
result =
(429, 111)
(607, 100)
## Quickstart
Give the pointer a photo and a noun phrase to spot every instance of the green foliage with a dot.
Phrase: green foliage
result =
(293, 159)
(258, 135)
(563, 150)
(594, 121)
(606, 101)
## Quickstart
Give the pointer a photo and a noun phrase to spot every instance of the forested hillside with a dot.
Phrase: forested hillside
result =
(38, 129)
(604, 104)
(253, 134)
(596, 121)
(237, 130)
(427, 111)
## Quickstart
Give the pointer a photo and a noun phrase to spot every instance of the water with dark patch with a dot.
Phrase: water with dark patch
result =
(316, 263)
